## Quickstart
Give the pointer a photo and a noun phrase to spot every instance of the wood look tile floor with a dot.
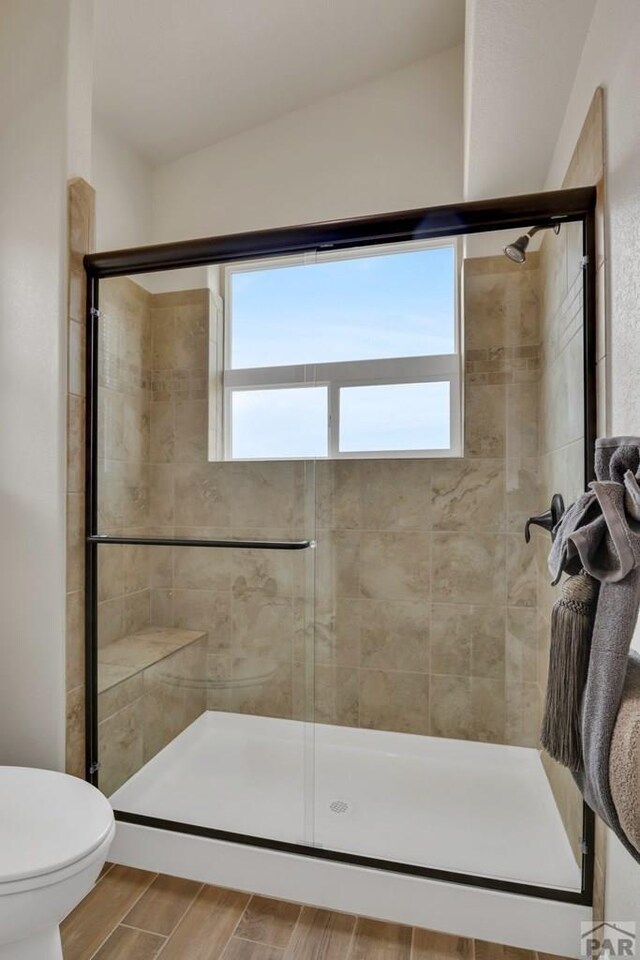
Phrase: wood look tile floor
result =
(136, 915)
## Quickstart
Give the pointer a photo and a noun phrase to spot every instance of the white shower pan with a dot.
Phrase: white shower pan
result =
(465, 807)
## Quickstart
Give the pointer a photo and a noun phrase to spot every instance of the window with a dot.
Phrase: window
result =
(350, 354)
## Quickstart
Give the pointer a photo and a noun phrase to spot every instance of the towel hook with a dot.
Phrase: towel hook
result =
(548, 520)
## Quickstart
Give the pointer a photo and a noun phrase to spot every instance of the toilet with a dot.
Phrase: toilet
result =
(55, 833)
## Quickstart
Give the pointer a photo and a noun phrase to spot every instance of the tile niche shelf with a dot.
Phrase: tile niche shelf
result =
(150, 689)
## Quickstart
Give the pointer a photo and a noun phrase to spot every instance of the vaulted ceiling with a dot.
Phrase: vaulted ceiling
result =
(173, 76)
(520, 62)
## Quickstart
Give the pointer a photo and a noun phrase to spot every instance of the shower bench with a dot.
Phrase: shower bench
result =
(149, 691)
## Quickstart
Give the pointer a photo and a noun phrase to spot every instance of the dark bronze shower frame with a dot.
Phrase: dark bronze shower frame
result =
(540, 209)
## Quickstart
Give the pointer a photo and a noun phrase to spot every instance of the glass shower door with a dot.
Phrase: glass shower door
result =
(349, 652)
(432, 613)
(205, 588)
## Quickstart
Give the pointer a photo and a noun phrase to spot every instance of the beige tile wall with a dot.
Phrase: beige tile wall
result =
(143, 714)
(81, 207)
(125, 392)
(561, 462)
(251, 603)
(561, 403)
(426, 598)
(124, 598)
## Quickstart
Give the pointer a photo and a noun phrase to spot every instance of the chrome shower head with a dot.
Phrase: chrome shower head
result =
(517, 251)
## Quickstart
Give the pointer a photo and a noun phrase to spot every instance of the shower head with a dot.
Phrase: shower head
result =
(517, 251)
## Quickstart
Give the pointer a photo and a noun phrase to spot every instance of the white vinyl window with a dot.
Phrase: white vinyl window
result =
(344, 354)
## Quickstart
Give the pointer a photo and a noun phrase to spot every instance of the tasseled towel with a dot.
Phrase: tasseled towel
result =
(571, 628)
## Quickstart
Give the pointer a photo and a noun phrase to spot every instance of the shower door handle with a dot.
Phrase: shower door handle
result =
(547, 520)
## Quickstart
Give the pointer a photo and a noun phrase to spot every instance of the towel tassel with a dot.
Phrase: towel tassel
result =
(572, 620)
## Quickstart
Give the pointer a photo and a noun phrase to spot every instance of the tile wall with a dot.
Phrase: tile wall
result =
(253, 604)
(426, 597)
(561, 409)
(81, 209)
(561, 446)
(139, 715)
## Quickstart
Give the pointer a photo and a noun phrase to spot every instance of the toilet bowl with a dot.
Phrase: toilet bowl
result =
(55, 833)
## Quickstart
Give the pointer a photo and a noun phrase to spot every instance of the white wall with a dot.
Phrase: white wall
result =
(390, 144)
(611, 59)
(36, 87)
(79, 88)
(122, 181)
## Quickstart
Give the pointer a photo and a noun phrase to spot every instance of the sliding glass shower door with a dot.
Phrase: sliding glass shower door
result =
(318, 625)
(432, 612)
(205, 589)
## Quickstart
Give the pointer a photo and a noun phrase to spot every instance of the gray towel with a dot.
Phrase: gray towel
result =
(624, 760)
(601, 533)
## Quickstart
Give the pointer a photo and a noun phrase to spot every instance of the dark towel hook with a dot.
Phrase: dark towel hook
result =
(549, 520)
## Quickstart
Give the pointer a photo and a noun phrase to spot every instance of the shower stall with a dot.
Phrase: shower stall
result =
(316, 638)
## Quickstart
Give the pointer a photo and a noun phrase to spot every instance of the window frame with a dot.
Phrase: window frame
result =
(335, 375)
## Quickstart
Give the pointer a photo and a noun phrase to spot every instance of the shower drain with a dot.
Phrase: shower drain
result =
(340, 807)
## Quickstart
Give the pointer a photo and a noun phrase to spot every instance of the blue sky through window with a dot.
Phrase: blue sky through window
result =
(272, 424)
(395, 305)
(395, 416)
(365, 308)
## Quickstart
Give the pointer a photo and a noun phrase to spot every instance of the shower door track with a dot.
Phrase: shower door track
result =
(539, 209)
